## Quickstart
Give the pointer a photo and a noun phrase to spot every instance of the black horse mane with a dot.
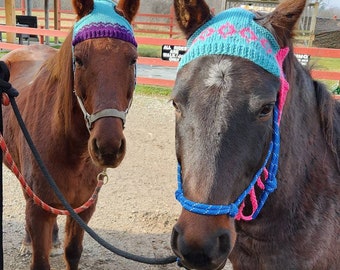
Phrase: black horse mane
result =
(329, 110)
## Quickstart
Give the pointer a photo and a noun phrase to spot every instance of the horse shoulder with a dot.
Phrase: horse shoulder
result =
(24, 65)
(25, 62)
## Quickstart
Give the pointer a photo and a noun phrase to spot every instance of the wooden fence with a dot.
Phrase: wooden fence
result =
(316, 52)
(154, 24)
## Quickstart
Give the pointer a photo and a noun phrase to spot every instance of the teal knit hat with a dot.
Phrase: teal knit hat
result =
(103, 21)
(234, 32)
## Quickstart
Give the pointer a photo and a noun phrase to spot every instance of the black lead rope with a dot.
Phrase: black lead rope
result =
(12, 93)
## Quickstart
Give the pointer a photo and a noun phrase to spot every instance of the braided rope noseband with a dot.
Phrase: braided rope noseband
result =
(234, 32)
(102, 22)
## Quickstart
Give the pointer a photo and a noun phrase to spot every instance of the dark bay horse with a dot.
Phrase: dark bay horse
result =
(92, 75)
(258, 145)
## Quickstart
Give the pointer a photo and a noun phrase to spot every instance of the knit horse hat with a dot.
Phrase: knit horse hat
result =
(234, 32)
(103, 21)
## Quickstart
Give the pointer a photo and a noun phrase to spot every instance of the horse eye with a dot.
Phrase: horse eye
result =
(174, 104)
(78, 61)
(133, 61)
(266, 110)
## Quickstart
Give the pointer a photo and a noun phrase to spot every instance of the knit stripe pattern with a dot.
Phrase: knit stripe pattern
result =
(234, 32)
(103, 22)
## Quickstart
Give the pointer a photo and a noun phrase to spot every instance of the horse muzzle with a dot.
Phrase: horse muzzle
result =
(203, 242)
(107, 144)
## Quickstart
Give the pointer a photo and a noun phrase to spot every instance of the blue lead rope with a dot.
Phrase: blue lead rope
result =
(232, 209)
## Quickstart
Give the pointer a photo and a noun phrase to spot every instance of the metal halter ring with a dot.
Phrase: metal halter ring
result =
(102, 176)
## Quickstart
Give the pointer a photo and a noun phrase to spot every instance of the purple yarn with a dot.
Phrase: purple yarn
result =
(100, 30)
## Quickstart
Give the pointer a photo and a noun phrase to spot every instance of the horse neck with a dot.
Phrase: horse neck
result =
(310, 120)
(308, 161)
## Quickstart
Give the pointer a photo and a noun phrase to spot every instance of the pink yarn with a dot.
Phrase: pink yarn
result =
(282, 95)
(280, 57)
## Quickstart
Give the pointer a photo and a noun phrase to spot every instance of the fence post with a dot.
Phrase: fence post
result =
(10, 18)
(59, 14)
(23, 7)
(29, 7)
(313, 24)
(56, 18)
(172, 19)
(41, 37)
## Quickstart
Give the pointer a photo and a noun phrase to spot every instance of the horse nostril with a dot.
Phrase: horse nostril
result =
(224, 242)
(95, 145)
(110, 148)
(174, 238)
(122, 146)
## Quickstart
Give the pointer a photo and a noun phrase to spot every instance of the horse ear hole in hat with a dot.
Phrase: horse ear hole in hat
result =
(119, 11)
(82, 8)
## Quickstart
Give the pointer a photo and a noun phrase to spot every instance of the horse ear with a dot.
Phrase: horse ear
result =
(82, 7)
(191, 14)
(128, 8)
(284, 18)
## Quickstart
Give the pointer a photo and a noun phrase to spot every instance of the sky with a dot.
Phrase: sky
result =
(334, 3)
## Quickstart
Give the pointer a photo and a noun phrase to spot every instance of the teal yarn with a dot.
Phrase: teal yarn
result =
(103, 21)
(234, 32)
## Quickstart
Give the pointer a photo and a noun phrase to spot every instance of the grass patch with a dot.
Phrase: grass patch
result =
(324, 63)
(332, 86)
(331, 64)
(3, 53)
(149, 50)
(151, 90)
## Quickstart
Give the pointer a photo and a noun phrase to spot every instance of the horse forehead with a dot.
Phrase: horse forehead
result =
(203, 86)
(208, 83)
(109, 48)
(219, 74)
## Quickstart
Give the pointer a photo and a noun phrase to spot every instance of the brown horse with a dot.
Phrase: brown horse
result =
(238, 88)
(93, 74)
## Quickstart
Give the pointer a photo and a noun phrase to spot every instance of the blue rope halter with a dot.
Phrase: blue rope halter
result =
(233, 208)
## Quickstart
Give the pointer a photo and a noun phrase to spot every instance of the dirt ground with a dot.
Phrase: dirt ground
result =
(136, 208)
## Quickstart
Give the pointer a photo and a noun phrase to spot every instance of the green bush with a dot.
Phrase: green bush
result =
(336, 91)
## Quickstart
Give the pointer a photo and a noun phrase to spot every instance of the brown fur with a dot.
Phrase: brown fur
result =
(73, 155)
(190, 14)
(128, 8)
(82, 8)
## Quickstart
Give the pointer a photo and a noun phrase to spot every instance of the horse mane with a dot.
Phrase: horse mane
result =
(329, 110)
(61, 76)
(328, 107)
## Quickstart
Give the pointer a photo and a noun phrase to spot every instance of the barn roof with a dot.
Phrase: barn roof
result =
(326, 25)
